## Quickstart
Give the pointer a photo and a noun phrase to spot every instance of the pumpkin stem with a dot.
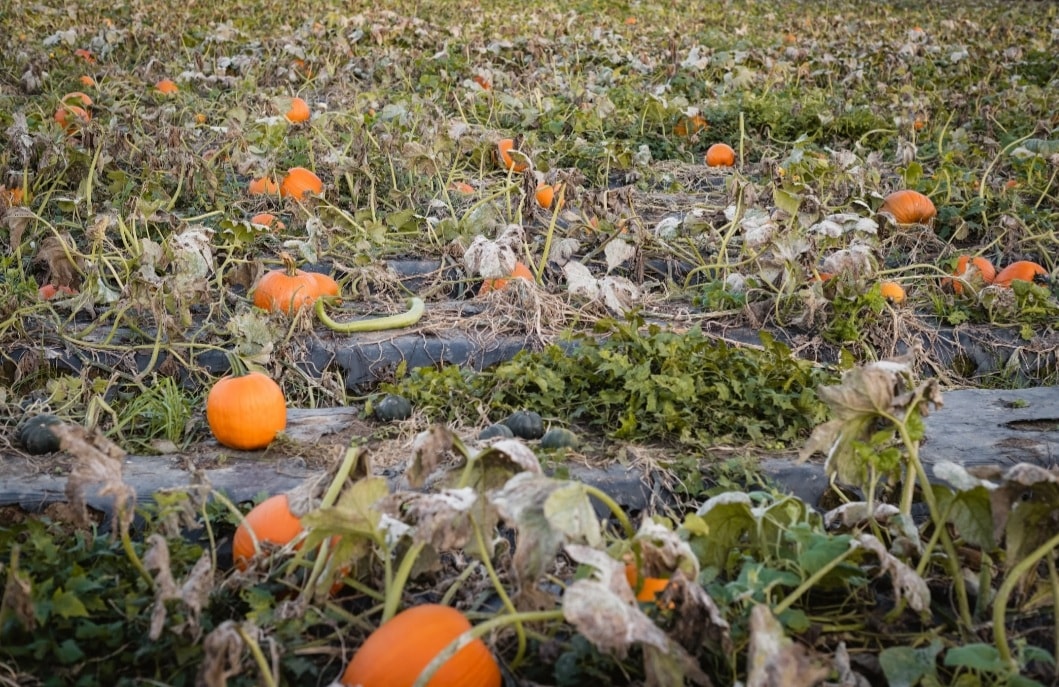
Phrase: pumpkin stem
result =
(236, 364)
(289, 263)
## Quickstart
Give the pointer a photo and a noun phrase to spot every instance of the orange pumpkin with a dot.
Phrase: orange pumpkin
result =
(892, 291)
(87, 81)
(10, 197)
(300, 181)
(263, 186)
(71, 117)
(166, 87)
(545, 195)
(398, 651)
(520, 272)
(909, 207)
(646, 588)
(689, 126)
(76, 98)
(246, 411)
(513, 162)
(984, 268)
(720, 155)
(462, 187)
(271, 522)
(298, 111)
(269, 220)
(289, 289)
(1023, 270)
(50, 291)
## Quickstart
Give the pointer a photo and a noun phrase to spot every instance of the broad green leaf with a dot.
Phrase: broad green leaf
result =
(788, 201)
(904, 666)
(979, 656)
(67, 605)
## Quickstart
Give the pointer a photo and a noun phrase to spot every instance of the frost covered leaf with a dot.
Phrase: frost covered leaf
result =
(533, 504)
(663, 551)
(619, 294)
(252, 334)
(850, 515)
(856, 260)
(580, 282)
(489, 259)
(774, 660)
(605, 612)
(99, 461)
(844, 223)
(190, 261)
(907, 584)
(562, 250)
(667, 227)
(429, 450)
(697, 620)
(442, 520)
(618, 251)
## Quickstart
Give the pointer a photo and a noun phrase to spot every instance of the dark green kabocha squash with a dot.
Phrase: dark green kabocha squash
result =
(525, 424)
(559, 437)
(497, 431)
(36, 434)
(393, 407)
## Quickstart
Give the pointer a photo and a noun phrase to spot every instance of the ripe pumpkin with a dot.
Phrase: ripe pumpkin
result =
(520, 272)
(892, 291)
(545, 195)
(87, 81)
(300, 181)
(689, 126)
(263, 186)
(267, 219)
(50, 291)
(76, 98)
(246, 411)
(398, 651)
(503, 150)
(645, 588)
(720, 155)
(298, 111)
(10, 197)
(166, 87)
(72, 117)
(462, 187)
(1023, 270)
(289, 289)
(984, 268)
(270, 521)
(909, 207)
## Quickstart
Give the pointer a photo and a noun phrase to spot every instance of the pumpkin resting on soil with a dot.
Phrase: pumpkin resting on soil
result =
(909, 207)
(398, 651)
(289, 289)
(246, 411)
(1023, 270)
(299, 182)
(983, 267)
(720, 155)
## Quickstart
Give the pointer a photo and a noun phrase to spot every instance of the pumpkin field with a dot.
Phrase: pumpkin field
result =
(432, 262)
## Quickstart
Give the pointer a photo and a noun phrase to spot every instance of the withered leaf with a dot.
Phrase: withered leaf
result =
(907, 583)
(59, 253)
(774, 660)
(99, 460)
(442, 520)
(429, 450)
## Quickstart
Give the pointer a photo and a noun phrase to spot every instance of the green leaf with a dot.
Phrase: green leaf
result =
(979, 656)
(788, 201)
(904, 666)
(970, 512)
(67, 605)
(727, 517)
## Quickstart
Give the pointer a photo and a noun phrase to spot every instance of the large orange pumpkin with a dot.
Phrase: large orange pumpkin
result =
(513, 162)
(300, 181)
(985, 270)
(298, 111)
(720, 155)
(246, 411)
(270, 521)
(909, 207)
(1023, 270)
(398, 651)
(289, 289)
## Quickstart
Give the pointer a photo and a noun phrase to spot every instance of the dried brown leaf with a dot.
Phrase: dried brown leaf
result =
(60, 257)
(98, 460)
(17, 220)
(774, 660)
(907, 583)
(17, 598)
(429, 450)
(222, 654)
(442, 520)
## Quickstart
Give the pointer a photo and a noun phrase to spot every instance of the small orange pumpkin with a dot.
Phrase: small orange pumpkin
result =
(397, 652)
(892, 291)
(462, 187)
(71, 117)
(50, 291)
(545, 195)
(263, 186)
(520, 272)
(984, 269)
(85, 55)
(300, 181)
(646, 588)
(289, 289)
(246, 411)
(720, 155)
(271, 522)
(87, 81)
(1023, 270)
(298, 111)
(503, 150)
(909, 207)
(166, 87)
(689, 126)
(76, 98)
(267, 219)
(10, 197)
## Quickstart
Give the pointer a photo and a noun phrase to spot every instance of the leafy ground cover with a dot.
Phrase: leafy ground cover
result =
(147, 183)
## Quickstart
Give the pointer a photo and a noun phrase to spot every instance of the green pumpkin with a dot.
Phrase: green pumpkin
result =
(558, 437)
(393, 407)
(525, 424)
(36, 435)
(496, 431)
